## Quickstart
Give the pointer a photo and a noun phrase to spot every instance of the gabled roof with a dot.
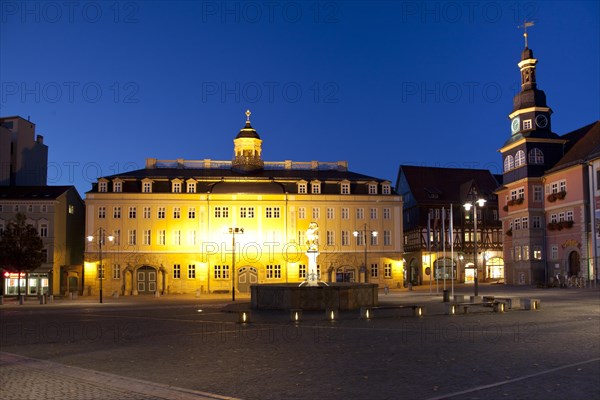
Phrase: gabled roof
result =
(450, 185)
(582, 145)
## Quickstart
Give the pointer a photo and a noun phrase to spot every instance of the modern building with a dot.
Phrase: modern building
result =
(57, 212)
(23, 155)
(440, 235)
(550, 191)
(175, 224)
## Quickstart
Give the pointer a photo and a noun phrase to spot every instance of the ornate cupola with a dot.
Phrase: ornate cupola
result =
(247, 148)
(531, 115)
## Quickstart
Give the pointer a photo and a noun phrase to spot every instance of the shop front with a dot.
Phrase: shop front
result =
(32, 284)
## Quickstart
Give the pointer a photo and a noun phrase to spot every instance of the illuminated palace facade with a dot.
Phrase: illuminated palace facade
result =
(175, 224)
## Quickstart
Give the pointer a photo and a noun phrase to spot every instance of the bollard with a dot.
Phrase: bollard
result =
(446, 296)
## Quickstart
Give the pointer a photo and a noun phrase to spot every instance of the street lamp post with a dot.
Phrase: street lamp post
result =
(468, 206)
(232, 232)
(364, 231)
(101, 236)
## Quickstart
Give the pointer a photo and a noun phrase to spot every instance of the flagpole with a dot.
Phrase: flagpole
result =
(429, 248)
(443, 235)
(452, 247)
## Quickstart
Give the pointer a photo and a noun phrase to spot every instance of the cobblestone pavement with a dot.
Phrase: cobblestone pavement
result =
(188, 346)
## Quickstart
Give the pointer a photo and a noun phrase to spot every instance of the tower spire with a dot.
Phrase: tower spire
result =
(526, 24)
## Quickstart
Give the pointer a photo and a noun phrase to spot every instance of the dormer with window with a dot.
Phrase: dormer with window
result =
(345, 187)
(191, 185)
(176, 185)
(117, 185)
(147, 185)
(372, 187)
(315, 187)
(102, 185)
(386, 188)
(302, 187)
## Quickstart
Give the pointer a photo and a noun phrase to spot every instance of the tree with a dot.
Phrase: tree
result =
(21, 247)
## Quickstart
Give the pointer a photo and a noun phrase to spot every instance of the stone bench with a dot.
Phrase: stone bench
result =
(531, 304)
(369, 312)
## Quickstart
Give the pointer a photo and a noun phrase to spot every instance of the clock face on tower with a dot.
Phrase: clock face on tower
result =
(515, 125)
(541, 121)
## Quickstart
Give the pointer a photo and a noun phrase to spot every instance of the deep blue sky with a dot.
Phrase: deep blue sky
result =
(378, 84)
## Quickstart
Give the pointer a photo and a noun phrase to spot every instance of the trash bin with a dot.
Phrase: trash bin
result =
(446, 296)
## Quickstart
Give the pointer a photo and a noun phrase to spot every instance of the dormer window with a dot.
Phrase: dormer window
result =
(372, 188)
(102, 186)
(345, 188)
(315, 187)
(117, 186)
(176, 186)
(302, 188)
(386, 188)
(527, 124)
(146, 186)
(191, 186)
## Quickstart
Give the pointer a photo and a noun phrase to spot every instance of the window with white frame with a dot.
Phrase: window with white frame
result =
(518, 255)
(147, 212)
(191, 212)
(100, 271)
(117, 237)
(527, 124)
(345, 188)
(273, 271)
(315, 187)
(162, 237)
(387, 213)
(374, 270)
(191, 271)
(117, 187)
(272, 212)
(147, 236)
(102, 212)
(176, 212)
(519, 158)
(301, 213)
(102, 187)
(246, 212)
(191, 187)
(562, 186)
(43, 230)
(525, 252)
(330, 213)
(536, 222)
(554, 252)
(372, 188)
(131, 237)
(387, 270)
(387, 238)
(373, 213)
(132, 212)
(316, 213)
(386, 189)
(162, 212)
(536, 156)
(221, 212)
(116, 271)
(374, 240)
(176, 187)
(301, 237)
(302, 271)
(302, 188)
(345, 213)
(192, 237)
(176, 271)
(147, 187)
(345, 238)
(117, 212)
(330, 238)
(360, 238)
(518, 193)
(553, 218)
(221, 271)
(569, 215)
(509, 163)
(360, 213)
(177, 237)
(537, 193)
(525, 222)
(561, 216)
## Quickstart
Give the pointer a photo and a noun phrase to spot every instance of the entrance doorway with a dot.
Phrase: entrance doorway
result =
(345, 274)
(146, 280)
(246, 276)
(574, 265)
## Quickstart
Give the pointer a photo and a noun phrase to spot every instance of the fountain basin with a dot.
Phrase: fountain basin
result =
(339, 296)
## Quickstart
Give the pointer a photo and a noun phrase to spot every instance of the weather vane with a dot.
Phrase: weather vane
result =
(526, 24)
(248, 115)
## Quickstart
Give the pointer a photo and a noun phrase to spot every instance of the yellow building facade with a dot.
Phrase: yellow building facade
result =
(205, 226)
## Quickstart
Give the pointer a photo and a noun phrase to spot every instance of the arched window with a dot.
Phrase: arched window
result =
(509, 163)
(519, 158)
(536, 156)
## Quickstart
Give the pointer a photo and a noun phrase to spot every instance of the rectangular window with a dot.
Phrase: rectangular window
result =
(176, 271)
(116, 212)
(176, 212)
(387, 238)
(116, 271)
(192, 212)
(30, 208)
(302, 187)
(316, 188)
(372, 189)
(330, 238)
(147, 212)
(177, 187)
(301, 237)
(386, 189)
(330, 213)
(301, 213)
(517, 223)
(525, 222)
(191, 271)
(132, 212)
(373, 213)
(553, 218)
(117, 237)
(554, 252)
(518, 254)
(147, 187)
(345, 213)
(273, 271)
(360, 213)
(374, 241)
(525, 252)
(162, 237)
(162, 211)
(192, 238)
(246, 212)
(387, 213)
(387, 270)
(44, 208)
(272, 212)
(147, 237)
(360, 238)
(131, 237)
(117, 187)
(16, 208)
(561, 216)
(527, 124)
(177, 237)
(101, 212)
(101, 271)
(102, 187)
(537, 253)
(536, 222)
(345, 188)
(221, 272)
(302, 271)
(537, 193)
(43, 230)
(374, 271)
(569, 215)
(345, 238)
(316, 213)
(191, 187)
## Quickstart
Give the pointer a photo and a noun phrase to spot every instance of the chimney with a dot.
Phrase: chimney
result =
(39, 139)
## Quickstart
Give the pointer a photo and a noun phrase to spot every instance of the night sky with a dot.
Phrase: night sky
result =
(378, 84)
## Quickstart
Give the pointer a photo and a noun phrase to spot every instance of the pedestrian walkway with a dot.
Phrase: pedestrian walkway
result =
(24, 378)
